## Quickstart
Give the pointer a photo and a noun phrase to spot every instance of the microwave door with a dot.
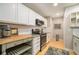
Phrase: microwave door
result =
(38, 22)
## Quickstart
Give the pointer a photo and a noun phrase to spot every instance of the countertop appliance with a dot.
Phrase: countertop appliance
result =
(4, 31)
(42, 36)
(14, 31)
(39, 22)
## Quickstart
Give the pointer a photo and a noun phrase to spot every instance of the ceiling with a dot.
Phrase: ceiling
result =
(47, 9)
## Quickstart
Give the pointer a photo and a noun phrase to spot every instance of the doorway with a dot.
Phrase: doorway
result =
(58, 29)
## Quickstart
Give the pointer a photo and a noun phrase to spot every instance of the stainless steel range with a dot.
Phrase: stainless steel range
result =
(42, 36)
(42, 40)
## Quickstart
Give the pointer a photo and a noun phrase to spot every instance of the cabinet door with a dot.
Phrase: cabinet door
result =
(8, 11)
(32, 17)
(22, 14)
(76, 45)
(73, 18)
(36, 44)
(77, 17)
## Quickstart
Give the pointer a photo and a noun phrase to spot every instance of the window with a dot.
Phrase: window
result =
(57, 26)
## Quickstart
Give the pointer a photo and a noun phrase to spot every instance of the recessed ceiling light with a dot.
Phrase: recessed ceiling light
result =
(55, 4)
(57, 14)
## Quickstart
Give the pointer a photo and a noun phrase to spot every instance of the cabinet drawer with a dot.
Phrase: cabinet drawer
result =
(36, 42)
(9, 45)
(36, 38)
(37, 46)
(35, 51)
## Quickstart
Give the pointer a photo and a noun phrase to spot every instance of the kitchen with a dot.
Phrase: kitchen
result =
(28, 29)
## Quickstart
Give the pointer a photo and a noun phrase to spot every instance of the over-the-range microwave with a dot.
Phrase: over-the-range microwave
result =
(39, 22)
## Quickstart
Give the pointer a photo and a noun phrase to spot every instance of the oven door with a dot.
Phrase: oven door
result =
(42, 40)
(0, 33)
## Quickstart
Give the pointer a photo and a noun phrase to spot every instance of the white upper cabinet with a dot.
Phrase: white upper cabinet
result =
(22, 14)
(74, 19)
(17, 12)
(38, 17)
(32, 17)
(8, 11)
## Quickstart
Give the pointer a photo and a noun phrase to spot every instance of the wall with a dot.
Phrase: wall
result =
(58, 20)
(27, 30)
(49, 28)
(67, 29)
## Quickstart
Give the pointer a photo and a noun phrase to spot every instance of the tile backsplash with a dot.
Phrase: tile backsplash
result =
(29, 30)
(24, 31)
